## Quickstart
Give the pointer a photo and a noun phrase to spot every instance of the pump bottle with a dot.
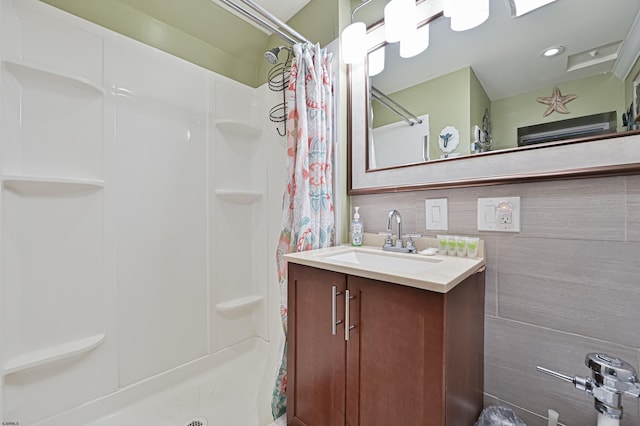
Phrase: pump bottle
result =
(356, 228)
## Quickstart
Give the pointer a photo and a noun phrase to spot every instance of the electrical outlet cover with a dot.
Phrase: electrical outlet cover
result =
(500, 214)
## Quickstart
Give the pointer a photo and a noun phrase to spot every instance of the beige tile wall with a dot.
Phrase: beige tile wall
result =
(566, 285)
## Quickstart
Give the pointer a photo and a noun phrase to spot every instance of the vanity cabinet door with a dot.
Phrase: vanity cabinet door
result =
(395, 355)
(316, 357)
(412, 357)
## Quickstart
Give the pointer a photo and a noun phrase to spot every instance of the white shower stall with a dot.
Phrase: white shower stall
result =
(140, 210)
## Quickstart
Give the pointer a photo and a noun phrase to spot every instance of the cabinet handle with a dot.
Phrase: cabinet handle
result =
(334, 321)
(347, 327)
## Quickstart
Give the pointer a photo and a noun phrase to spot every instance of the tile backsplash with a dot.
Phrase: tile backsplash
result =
(566, 285)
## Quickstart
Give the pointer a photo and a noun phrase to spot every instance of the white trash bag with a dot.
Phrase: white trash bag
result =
(495, 415)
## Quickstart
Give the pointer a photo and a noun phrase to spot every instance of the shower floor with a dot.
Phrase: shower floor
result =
(225, 395)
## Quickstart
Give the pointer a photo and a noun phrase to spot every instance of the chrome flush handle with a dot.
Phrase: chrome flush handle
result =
(611, 378)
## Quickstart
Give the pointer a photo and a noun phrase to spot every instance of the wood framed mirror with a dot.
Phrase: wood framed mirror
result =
(617, 152)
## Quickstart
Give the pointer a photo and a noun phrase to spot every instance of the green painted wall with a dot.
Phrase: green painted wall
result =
(190, 37)
(132, 23)
(317, 22)
(601, 93)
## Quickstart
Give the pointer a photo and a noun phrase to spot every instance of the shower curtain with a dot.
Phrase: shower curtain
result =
(307, 209)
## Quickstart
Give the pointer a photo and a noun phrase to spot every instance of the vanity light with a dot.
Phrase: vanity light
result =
(397, 15)
(466, 14)
(354, 43)
(416, 42)
(376, 61)
(552, 51)
(520, 7)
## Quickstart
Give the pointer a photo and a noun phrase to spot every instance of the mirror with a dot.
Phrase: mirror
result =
(476, 78)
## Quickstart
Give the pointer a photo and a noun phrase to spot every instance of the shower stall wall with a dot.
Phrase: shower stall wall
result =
(136, 227)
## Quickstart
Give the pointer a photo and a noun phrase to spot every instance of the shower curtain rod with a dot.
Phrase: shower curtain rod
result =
(269, 21)
(394, 106)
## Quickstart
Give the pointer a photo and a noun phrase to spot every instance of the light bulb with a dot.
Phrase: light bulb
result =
(416, 42)
(520, 7)
(354, 43)
(467, 14)
(396, 15)
(449, 7)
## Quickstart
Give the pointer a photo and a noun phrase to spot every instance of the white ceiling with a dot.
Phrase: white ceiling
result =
(504, 52)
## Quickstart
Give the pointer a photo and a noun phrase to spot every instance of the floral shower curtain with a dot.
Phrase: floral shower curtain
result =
(308, 215)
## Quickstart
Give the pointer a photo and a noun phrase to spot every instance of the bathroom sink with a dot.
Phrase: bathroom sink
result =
(402, 263)
(435, 273)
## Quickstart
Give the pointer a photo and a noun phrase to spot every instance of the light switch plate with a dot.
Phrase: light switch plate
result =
(437, 214)
(500, 214)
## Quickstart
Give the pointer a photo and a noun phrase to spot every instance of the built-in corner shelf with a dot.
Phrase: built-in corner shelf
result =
(35, 185)
(238, 128)
(33, 72)
(239, 197)
(239, 303)
(51, 354)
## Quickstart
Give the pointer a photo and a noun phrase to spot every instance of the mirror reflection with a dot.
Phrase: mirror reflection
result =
(483, 89)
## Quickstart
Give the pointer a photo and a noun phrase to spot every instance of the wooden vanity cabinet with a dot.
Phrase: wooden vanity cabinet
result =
(413, 357)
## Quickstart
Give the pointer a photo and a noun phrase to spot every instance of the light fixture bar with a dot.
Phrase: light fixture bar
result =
(376, 61)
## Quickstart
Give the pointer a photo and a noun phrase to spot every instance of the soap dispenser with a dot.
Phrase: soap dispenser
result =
(356, 228)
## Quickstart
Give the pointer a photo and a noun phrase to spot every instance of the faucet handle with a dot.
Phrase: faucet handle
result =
(410, 237)
(388, 241)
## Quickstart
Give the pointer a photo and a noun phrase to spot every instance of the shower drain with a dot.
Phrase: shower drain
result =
(197, 421)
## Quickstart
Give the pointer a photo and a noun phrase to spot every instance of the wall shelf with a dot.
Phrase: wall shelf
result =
(29, 71)
(34, 185)
(239, 197)
(51, 354)
(239, 303)
(238, 128)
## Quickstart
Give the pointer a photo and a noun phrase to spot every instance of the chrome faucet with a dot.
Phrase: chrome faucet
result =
(399, 244)
(611, 379)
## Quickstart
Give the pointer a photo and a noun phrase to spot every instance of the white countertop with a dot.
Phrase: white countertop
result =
(439, 273)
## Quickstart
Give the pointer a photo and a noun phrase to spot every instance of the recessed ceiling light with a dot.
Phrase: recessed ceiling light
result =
(552, 51)
(520, 7)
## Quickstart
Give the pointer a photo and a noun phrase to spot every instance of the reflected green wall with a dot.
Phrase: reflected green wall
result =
(628, 86)
(480, 104)
(456, 99)
(601, 93)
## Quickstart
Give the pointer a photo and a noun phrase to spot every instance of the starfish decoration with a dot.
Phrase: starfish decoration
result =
(556, 102)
